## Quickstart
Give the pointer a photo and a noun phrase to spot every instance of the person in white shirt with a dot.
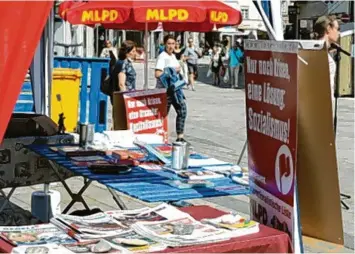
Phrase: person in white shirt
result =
(167, 59)
(106, 51)
(327, 28)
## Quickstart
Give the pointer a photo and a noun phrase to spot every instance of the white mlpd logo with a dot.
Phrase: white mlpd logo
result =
(284, 170)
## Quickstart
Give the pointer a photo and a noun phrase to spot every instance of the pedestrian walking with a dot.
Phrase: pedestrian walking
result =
(216, 64)
(235, 64)
(167, 59)
(192, 55)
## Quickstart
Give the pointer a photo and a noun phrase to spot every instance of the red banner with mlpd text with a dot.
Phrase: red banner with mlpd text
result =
(21, 26)
(271, 115)
(146, 112)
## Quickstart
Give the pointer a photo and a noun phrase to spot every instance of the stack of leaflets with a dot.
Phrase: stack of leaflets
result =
(236, 224)
(90, 227)
(190, 184)
(165, 150)
(34, 235)
(227, 170)
(197, 174)
(184, 231)
(243, 179)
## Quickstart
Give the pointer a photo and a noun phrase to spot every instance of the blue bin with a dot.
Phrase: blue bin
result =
(93, 103)
(25, 103)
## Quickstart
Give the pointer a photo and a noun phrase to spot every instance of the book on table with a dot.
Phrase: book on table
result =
(71, 151)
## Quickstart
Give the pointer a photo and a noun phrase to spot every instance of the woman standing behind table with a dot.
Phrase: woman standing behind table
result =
(216, 64)
(124, 75)
(327, 28)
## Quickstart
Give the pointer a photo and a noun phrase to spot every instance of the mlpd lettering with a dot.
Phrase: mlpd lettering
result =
(219, 16)
(99, 15)
(167, 15)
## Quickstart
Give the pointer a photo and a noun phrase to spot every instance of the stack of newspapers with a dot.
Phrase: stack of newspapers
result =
(84, 228)
(184, 231)
(141, 230)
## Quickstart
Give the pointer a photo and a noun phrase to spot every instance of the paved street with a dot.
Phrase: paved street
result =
(216, 127)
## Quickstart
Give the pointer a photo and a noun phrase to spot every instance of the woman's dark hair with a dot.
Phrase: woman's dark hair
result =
(168, 37)
(126, 47)
(321, 26)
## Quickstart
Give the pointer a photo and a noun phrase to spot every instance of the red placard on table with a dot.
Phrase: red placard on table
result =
(271, 80)
(146, 112)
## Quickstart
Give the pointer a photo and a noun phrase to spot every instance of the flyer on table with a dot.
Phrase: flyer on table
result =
(271, 115)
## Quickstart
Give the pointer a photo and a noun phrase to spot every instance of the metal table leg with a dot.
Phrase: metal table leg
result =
(76, 197)
(117, 199)
(7, 199)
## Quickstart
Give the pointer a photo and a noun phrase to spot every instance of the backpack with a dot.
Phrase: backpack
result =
(106, 86)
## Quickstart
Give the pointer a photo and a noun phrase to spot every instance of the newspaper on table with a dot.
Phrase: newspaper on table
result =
(135, 243)
(42, 248)
(34, 235)
(95, 246)
(180, 232)
(159, 213)
(236, 224)
(89, 227)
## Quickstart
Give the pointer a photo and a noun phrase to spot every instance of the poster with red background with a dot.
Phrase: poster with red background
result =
(271, 114)
(146, 112)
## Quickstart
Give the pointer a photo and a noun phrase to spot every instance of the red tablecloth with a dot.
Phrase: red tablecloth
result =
(267, 240)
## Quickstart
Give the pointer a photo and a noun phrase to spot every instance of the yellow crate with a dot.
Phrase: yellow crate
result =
(65, 96)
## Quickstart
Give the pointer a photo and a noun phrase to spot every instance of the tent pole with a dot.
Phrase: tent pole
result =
(146, 57)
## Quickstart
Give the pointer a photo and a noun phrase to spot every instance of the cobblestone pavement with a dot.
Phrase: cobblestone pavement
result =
(216, 127)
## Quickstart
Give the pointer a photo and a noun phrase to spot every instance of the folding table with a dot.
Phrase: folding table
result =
(148, 186)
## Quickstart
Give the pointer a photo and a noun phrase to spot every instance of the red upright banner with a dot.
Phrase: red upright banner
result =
(21, 26)
(146, 112)
(271, 110)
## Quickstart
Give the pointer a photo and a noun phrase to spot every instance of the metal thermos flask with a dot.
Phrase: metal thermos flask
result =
(86, 134)
(180, 155)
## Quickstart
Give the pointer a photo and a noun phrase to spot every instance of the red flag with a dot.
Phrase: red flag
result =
(21, 26)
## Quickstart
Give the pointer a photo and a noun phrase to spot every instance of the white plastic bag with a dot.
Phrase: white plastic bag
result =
(226, 76)
(209, 73)
(186, 73)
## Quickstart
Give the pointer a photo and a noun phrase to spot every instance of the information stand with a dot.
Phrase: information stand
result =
(143, 112)
(291, 140)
